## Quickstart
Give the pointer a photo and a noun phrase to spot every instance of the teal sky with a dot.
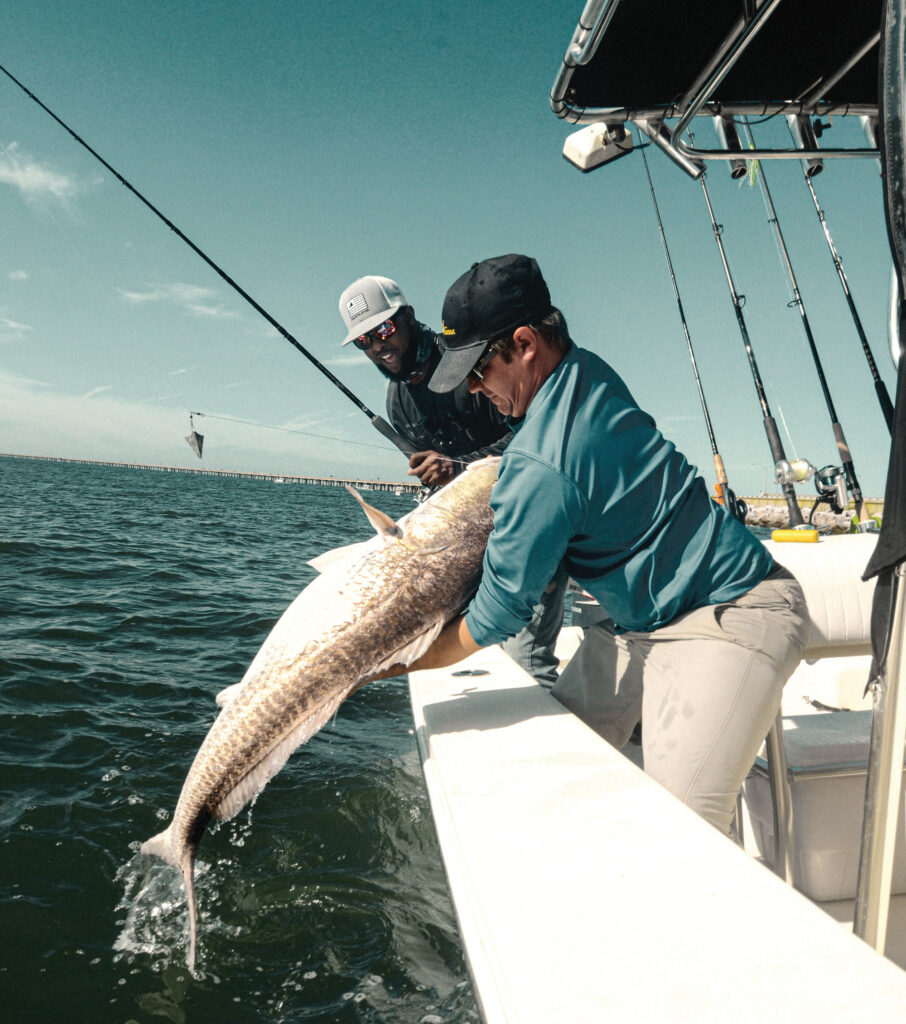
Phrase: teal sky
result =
(302, 145)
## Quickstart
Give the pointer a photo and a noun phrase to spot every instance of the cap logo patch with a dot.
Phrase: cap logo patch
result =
(448, 330)
(356, 306)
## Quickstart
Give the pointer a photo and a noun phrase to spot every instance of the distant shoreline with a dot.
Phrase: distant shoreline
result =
(406, 486)
(805, 501)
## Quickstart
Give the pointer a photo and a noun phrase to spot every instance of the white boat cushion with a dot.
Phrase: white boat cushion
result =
(839, 603)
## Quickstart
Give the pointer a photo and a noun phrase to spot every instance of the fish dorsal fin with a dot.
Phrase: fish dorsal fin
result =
(384, 525)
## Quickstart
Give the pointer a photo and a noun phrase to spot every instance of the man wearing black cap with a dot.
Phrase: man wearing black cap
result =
(703, 629)
(447, 430)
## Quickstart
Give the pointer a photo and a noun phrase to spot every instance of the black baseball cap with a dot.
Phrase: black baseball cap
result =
(489, 299)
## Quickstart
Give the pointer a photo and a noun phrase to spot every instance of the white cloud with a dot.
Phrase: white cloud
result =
(33, 179)
(96, 391)
(188, 296)
(303, 423)
(18, 275)
(355, 358)
(12, 330)
(13, 325)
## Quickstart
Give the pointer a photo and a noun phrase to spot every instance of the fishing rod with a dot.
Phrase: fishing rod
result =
(880, 388)
(782, 469)
(377, 421)
(849, 471)
(728, 498)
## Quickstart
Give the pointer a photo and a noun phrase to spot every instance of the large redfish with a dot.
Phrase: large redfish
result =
(377, 604)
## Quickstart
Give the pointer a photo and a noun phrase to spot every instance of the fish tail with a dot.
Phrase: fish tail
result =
(188, 875)
(161, 846)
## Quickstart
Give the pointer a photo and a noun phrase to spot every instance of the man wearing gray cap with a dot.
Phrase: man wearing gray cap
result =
(447, 430)
(703, 628)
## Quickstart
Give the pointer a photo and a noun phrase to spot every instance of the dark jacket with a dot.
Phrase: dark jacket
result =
(466, 427)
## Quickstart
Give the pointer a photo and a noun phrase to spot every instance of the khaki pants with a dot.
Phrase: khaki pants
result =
(707, 687)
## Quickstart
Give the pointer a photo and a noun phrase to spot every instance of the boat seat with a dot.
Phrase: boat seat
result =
(839, 608)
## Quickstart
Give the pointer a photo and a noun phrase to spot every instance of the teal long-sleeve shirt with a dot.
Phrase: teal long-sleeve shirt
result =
(589, 479)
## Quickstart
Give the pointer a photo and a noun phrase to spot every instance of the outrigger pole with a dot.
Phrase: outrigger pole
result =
(727, 497)
(849, 471)
(378, 422)
(781, 466)
(880, 388)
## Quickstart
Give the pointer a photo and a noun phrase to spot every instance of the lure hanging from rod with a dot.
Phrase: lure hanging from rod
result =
(194, 439)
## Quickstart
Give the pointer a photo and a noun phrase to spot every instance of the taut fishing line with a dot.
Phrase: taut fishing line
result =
(378, 422)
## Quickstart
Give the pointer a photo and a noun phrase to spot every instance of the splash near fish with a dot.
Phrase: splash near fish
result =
(374, 605)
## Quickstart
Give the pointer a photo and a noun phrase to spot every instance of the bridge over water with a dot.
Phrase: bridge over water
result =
(362, 484)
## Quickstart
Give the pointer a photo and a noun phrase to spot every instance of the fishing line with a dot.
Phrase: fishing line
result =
(770, 426)
(849, 471)
(728, 498)
(378, 422)
(880, 388)
(294, 430)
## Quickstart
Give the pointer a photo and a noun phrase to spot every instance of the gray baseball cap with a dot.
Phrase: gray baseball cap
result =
(367, 303)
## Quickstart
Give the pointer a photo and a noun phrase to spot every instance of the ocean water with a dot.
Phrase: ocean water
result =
(128, 600)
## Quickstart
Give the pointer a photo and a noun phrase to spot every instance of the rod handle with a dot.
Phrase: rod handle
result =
(886, 407)
(384, 427)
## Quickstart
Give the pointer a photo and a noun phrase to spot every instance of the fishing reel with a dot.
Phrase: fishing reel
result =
(735, 506)
(799, 471)
(738, 508)
(830, 483)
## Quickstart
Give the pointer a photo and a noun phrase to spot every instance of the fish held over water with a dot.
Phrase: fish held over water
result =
(374, 605)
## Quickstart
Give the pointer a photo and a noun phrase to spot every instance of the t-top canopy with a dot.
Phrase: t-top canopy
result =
(647, 60)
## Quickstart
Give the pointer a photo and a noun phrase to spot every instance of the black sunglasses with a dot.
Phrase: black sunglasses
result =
(476, 374)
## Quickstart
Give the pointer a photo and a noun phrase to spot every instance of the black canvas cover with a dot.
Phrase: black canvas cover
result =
(652, 52)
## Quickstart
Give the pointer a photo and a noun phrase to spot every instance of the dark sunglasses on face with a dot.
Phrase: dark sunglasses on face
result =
(382, 332)
(476, 374)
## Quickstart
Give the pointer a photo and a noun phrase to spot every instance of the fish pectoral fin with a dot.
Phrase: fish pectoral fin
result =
(414, 649)
(384, 525)
(228, 694)
(260, 773)
(335, 555)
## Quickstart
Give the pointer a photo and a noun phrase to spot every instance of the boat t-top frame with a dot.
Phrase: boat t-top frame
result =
(629, 63)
